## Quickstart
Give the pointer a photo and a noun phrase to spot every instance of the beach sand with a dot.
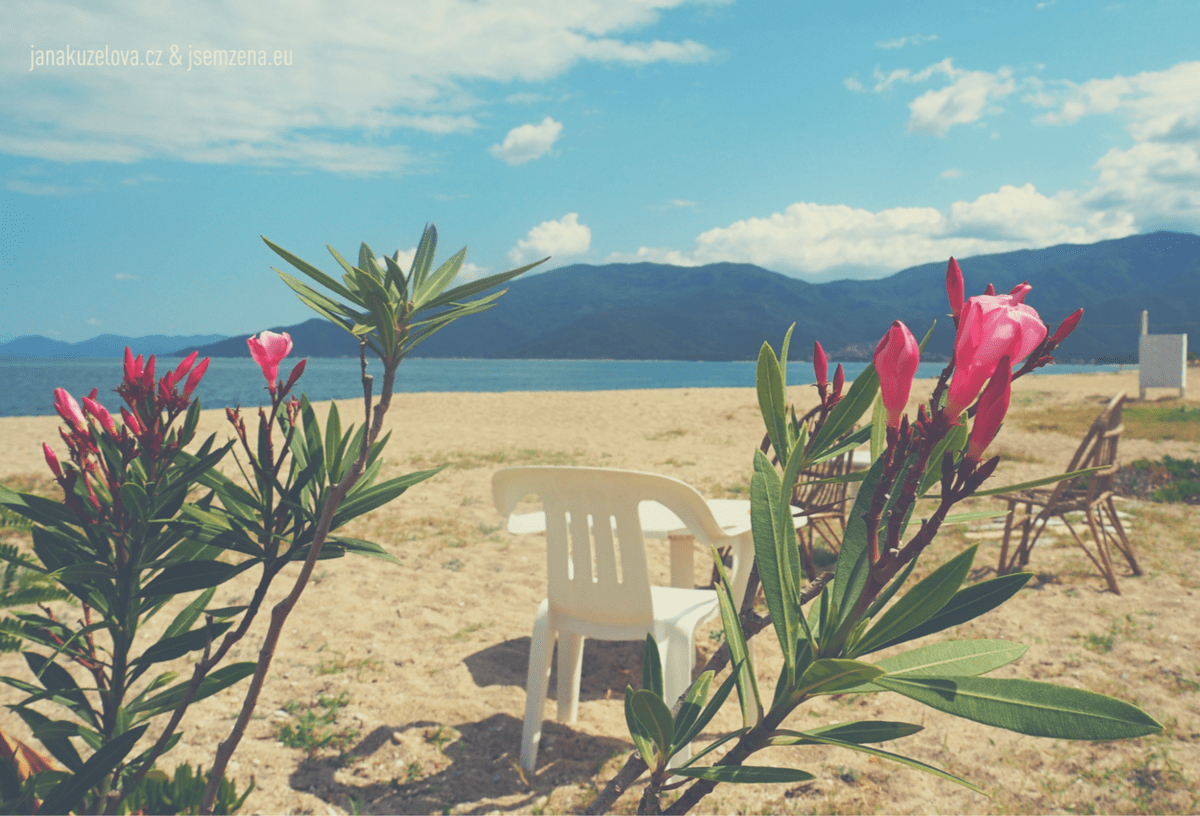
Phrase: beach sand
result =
(431, 656)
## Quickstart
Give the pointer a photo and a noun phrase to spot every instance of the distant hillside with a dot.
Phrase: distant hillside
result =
(105, 345)
(725, 311)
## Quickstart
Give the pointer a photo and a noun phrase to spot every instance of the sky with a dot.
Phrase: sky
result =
(818, 140)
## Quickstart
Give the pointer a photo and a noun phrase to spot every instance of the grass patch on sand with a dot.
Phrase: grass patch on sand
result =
(1163, 419)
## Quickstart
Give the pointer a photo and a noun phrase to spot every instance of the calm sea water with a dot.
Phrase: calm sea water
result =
(27, 385)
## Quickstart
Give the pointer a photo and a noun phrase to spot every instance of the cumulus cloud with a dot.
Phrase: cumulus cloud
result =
(964, 101)
(330, 108)
(951, 172)
(557, 238)
(527, 142)
(809, 238)
(900, 42)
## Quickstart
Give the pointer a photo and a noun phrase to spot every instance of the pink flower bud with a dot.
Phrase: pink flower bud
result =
(101, 414)
(68, 409)
(1019, 291)
(839, 379)
(268, 350)
(1066, 327)
(990, 291)
(297, 371)
(148, 374)
(993, 405)
(52, 461)
(954, 287)
(183, 369)
(194, 378)
(133, 368)
(820, 366)
(896, 359)
(990, 327)
(134, 425)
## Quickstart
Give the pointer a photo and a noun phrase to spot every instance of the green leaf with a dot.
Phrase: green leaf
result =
(56, 739)
(190, 614)
(1028, 707)
(67, 794)
(652, 676)
(693, 703)
(920, 603)
(975, 515)
(133, 497)
(217, 681)
(378, 495)
(710, 710)
(739, 655)
(850, 574)
(878, 430)
(752, 774)
(771, 400)
(967, 604)
(440, 279)
(855, 732)
(655, 717)
(189, 576)
(179, 645)
(423, 259)
(953, 658)
(954, 441)
(641, 736)
(903, 760)
(56, 679)
(1037, 482)
(310, 270)
(367, 548)
(482, 285)
(832, 675)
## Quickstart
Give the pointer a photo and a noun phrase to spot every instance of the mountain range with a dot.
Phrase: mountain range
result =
(725, 311)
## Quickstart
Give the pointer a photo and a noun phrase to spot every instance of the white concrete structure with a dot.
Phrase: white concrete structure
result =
(1162, 360)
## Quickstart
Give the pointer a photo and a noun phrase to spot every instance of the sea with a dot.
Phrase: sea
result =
(27, 384)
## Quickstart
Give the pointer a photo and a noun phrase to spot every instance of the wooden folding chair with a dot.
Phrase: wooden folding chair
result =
(1091, 494)
(824, 508)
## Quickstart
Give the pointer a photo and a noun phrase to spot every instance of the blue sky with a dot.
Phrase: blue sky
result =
(819, 140)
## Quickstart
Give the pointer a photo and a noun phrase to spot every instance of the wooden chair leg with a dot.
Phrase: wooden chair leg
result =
(1031, 531)
(1123, 545)
(1100, 541)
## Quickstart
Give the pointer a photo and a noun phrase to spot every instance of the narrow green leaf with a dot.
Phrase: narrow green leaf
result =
(693, 704)
(954, 441)
(652, 676)
(439, 280)
(975, 515)
(1028, 707)
(67, 794)
(832, 675)
(752, 774)
(850, 574)
(179, 645)
(968, 603)
(953, 658)
(771, 399)
(920, 603)
(710, 710)
(367, 548)
(855, 732)
(133, 497)
(482, 285)
(655, 717)
(739, 655)
(57, 742)
(190, 576)
(217, 681)
(903, 760)
(310, 270)
(423, 259)
(1016, 488)
(56, 679)
(878, 430)
(190, 614)
(641, 737)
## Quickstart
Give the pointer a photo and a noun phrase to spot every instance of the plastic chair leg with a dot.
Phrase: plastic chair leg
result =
(541, 651)
(678, 657)
(570, 671)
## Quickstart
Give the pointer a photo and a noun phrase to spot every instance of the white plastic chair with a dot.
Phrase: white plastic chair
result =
(600, 587)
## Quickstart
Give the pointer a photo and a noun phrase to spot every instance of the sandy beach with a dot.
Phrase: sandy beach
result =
(431, 656)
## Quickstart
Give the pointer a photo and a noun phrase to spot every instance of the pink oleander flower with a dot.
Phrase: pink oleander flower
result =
(993, 405)
(173, 377)
(101, 414)
(896, 359)
(820, 366)
(839, 379)
(1066, 327)
(194, 378)
(954, 287)
(991, 327)
(268, 350)
(69, 410)
(52, 461)
(134, 424)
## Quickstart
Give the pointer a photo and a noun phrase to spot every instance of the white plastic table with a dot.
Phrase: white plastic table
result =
(658, 522)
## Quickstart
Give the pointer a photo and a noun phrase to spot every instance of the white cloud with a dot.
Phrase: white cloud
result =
(527, 142)
(900, 42)
(853, 84)
(355, 83)
(965, 101)
(681, 202)
(809, 238)
(93, 321)
(951, 172)
(557, 238)
(124, 276)
(885, 81)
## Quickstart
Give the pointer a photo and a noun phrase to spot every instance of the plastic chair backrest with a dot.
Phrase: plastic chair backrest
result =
(586, 578)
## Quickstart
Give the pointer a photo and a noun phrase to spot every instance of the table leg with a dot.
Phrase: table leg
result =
(683, 547)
